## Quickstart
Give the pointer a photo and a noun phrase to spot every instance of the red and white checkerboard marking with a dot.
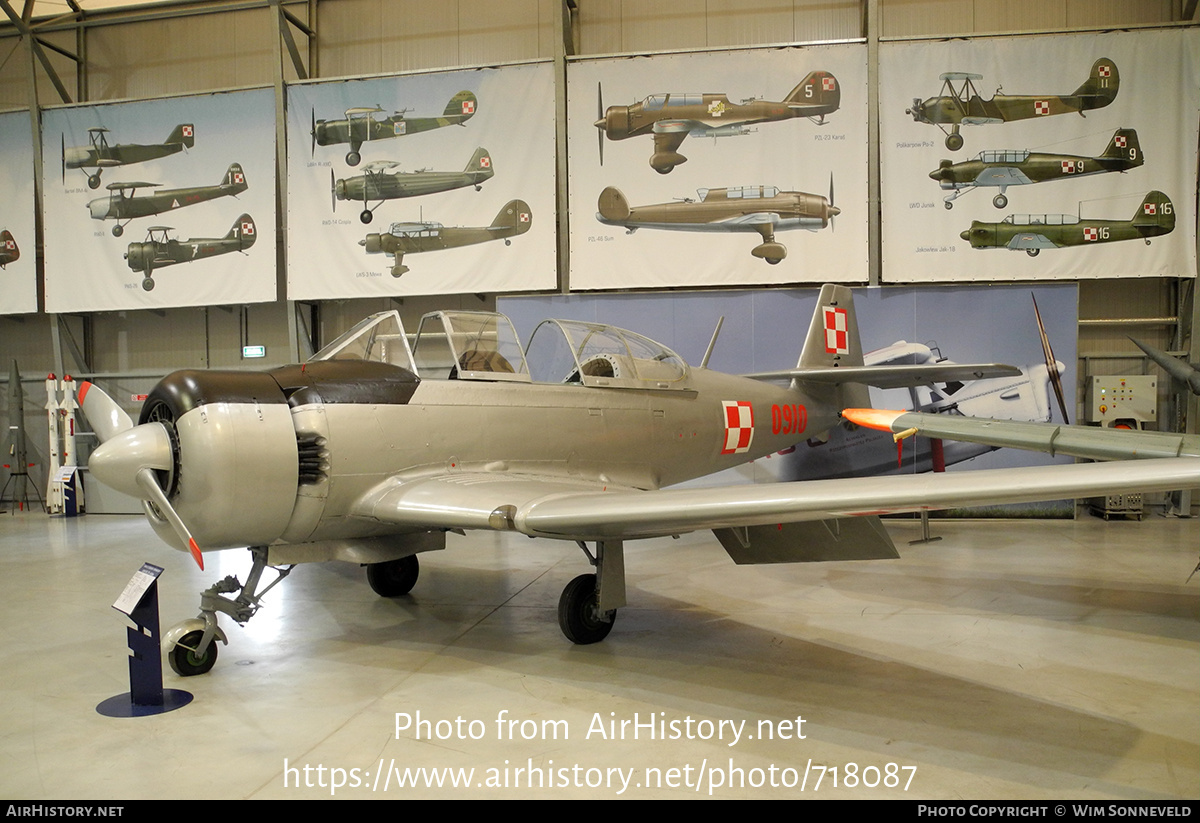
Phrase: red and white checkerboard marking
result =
(468, 107)
(1119, 141)
(523, 217)
(828, 84)
(1041, 107)
(1149, 208)
(837, 339)
(1105, 71)
(10, 244)
(1091, 233)
(485, 162)
(1068, 167)
(238, 177)
(739, 426)
(247, 229)
(188, 131)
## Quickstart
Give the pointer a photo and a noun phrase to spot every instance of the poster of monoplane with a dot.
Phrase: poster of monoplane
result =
(433, 183)
(160, 203)
(1040, 157)
(18, 273)
(718, 169)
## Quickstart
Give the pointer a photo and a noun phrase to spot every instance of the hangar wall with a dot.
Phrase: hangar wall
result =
(191, 47)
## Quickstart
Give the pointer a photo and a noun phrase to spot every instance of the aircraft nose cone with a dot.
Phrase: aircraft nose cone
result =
(599, 123)
(834, 211)
(118, 460)
(965, 235)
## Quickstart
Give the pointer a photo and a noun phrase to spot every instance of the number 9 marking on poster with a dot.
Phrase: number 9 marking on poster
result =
(788, 419)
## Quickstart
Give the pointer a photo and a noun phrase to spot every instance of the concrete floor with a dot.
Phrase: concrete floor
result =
(1008, 660)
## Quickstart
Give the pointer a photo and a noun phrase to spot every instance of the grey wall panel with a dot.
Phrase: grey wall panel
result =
(175, 56)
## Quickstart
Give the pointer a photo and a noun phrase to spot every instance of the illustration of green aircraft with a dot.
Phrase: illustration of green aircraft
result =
(159, 249)
(1033, 232)
(413, 238)
(672, 117)
(1019, 168)
(99, 155)
(123, 204)
(963, 105)
(376, 183)
(762, 209)
(360, 126)
(9, 253)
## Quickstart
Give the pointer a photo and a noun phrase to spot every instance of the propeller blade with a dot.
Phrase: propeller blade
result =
(834, 211)
(600, 119)
(63, 140)
(313, 148)
(1051, 364)
(332, 192)
(154, 493)
(107, 418)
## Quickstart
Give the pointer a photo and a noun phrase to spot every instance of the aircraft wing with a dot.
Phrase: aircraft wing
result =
(677, 127)
(972, 120)
(1090, 442)
(1031, 240)
(894, 377)
(551, 507)
(1002, 176)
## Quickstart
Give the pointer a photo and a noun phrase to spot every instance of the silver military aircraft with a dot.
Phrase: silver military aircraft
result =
(372, 450)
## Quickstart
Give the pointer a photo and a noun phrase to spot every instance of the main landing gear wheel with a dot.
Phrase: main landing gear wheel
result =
(578, 613)
(774, 261)
(366, 216)
(148, 284)
(93, 181)
(1032, 252)
(999, 201)
(664, 169)
(353, 157)
(954, 142)
(186, 662)
(395, 577)
(118, 230)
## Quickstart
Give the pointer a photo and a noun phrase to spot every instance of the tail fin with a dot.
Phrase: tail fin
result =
(612, 205)
(1124, 146)
(1101, 87)
(244, 231)
(820, 89)
(184, 133)
(1156, 210)
(516, 217)
(481, 161)
(234, 176)
(461, 106)
(9, 253)
(833, 341)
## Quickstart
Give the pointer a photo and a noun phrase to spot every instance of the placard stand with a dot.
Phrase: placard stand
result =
(146, 695)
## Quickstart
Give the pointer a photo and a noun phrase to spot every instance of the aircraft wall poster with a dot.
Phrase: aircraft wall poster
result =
(1025, 158)
(960, 324)
(137, 197)
(433, 183)
(18, 272)
(718, 169)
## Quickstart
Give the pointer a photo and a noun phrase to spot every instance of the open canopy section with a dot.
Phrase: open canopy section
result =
(469, 345)
(592, 354)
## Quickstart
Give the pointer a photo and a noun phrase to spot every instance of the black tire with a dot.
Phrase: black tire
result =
(148, 283)
(774, 261)
(118, 230)
(353, 157)
(948, 204)
(186, 662)
(664, 169)
(93, 181)
(395, 577)
(1033, 252)
(954, 142)
(999, 201)
(578, 616)
(366, 216)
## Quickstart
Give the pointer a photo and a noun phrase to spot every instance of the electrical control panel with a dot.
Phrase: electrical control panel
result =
(1122, 400)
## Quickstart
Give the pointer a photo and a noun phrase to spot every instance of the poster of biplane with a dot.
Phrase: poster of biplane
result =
(430, 183)
(18, 272)
(1026, 158)
(718, 169)
(160, 203)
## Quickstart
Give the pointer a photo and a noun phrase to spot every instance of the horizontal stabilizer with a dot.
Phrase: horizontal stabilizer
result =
(852, 538)
(892, 377)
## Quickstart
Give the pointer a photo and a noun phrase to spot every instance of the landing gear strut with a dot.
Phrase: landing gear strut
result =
(190, 647)
(588, 606)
